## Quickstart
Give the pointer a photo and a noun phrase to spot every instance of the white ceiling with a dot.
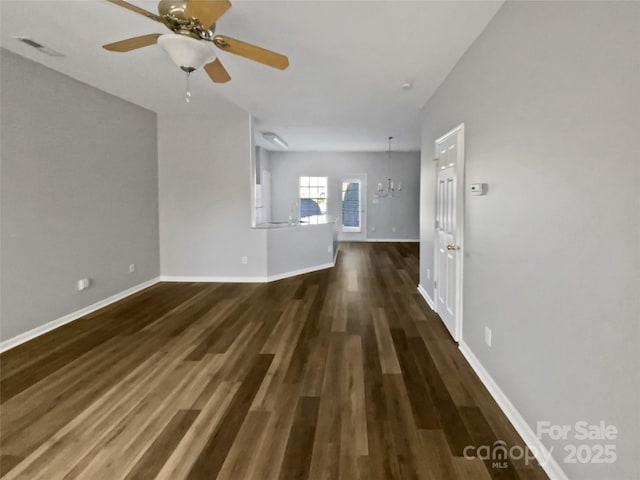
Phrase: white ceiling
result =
(342, 91)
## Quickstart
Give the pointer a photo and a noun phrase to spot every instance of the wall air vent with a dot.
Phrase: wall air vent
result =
(39, 47)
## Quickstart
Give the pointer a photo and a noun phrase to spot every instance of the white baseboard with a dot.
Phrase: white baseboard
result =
(548, 463)
(203, 279)
(266, 279)
(47, 327)
(302, 271)
(394, 240)
(427, 298)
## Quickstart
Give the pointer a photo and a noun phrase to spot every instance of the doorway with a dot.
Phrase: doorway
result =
(353, 194)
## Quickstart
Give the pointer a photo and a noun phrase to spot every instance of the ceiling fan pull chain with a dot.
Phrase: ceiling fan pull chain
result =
(187, 95)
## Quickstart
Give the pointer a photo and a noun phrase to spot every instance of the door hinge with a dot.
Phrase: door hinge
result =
(437, 223)
(435, 284)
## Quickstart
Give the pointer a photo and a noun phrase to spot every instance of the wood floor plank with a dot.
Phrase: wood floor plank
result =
(383, 456)
(388, 355)
(340, 374)
(123, 441)
(180, 463)
(354, 427)
(224, 319)
(61, 394)
(297, 458)
(374, 388)
(483, 435)
(313, 375)
(267, 394)
(531, 473)
(406, 435)
(450, 375)
(270, 456)
(438, 456)
(422, 403)
(309, 334)
(326, 445)
(353, 434)
(241, 456)
(448, 414)
(13, 385)
(137, 430)
(212, 456)
(470, 469)
(158, 453)
(75, 439)
(7, 462)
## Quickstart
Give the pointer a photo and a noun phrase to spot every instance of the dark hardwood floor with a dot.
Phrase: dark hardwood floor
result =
(340, 374)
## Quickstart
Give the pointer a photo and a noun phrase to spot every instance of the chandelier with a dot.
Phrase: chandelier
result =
(392, 187)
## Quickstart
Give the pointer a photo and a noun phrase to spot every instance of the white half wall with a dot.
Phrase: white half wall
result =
(550, 98)
(205, 196)
(401, 213)
(299, 248)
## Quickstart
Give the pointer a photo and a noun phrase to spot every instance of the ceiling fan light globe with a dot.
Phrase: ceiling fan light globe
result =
(187, 52)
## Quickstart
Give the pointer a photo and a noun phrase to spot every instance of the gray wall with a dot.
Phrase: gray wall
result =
(401, 212)
(205, 196)
(79, 194)
(549, 95)
(300, 247)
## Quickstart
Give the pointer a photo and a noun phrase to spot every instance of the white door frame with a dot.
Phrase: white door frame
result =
(362, 235)
(460, 190)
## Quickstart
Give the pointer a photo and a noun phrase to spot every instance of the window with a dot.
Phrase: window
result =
(313, 199)
(351, 206)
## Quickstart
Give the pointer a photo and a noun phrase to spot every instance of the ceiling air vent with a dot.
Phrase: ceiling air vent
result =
(39, 47)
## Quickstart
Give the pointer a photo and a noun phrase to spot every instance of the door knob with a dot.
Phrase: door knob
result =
(453, 247)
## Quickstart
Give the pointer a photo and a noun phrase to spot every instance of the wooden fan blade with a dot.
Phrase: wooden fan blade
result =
(132, 43)
(251, 52)
(207, 11)
(138, 10)
(217, 72)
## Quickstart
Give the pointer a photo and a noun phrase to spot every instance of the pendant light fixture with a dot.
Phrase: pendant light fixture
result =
(390, 188)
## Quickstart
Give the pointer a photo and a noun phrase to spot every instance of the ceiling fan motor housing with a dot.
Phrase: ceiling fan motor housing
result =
(187, 53)
(174, 14)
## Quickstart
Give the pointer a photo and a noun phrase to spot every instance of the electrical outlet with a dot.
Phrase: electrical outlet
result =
(330, 249)
(428, 274)
(132, 267)
(83, 284)
(487, 336)
(244, 260)
(393, 229)
(373, 228)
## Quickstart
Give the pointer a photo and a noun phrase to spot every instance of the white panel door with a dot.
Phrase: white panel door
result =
(448, 238)
(446, 272)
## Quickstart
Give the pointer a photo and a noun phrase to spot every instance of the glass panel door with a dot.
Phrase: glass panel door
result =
(351, 209)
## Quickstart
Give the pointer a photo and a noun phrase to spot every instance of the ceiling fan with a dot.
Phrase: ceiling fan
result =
(192, 44)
